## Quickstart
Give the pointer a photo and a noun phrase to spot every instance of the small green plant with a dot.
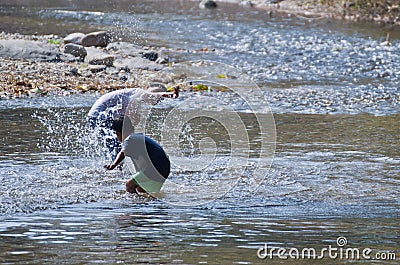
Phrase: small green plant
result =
(54, 41)
(221, 76)
(200, 87)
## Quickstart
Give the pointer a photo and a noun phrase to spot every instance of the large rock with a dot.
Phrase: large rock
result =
(136, 63)
(98, 57)
(75, 38)
(126, 48)
(132, 50)
(31, 50)
(99, 39)
(76, 50)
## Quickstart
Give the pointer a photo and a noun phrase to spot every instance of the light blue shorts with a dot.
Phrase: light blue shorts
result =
(146, 183)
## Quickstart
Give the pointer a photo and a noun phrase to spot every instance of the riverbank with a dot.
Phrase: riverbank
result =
(36, 65)
(32, 65)
(385, 12)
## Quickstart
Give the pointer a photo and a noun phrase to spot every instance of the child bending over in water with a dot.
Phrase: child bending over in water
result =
(142, 153)
(112, 105)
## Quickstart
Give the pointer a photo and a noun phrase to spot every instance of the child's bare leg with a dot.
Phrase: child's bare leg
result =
(131, 186)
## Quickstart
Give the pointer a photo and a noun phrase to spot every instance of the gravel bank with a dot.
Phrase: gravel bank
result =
(36, 66)
(39, 65)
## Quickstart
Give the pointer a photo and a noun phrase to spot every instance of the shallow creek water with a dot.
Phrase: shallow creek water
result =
(332, 87)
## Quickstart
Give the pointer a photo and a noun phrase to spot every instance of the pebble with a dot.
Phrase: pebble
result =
(152, 56)
(97, 68)
(246, 3)
(209, 4)
(162, 60)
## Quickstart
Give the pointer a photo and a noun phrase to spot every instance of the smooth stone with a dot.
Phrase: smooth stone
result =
(76, 50)
(209, 4)
(97, 68)
(75, 38)
(136, 63)
(152, 56)
(31, 50)
(98, 39)
(98, 57)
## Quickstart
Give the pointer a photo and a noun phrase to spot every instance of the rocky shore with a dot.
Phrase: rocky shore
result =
(33, 65)
(43, 65)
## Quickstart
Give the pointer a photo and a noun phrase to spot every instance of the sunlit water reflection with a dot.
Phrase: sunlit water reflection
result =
(324, 178)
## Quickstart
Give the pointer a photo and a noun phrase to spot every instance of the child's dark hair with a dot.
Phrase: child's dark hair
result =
(120, 124)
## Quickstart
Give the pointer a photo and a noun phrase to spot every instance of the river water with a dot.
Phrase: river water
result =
(333, 89)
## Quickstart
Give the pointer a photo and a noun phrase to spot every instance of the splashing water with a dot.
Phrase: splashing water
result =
(67, 133)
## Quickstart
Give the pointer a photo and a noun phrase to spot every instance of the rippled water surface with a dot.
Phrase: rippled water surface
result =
(333, 89)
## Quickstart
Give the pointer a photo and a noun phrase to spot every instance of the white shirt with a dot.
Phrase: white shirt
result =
(115, 104)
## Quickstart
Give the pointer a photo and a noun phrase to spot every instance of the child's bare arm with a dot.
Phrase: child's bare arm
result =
(117, 160)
